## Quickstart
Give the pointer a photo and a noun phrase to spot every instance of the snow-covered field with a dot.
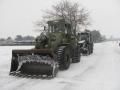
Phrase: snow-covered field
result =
(99, 71)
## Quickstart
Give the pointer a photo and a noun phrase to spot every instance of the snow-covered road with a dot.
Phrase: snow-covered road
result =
(99, 71)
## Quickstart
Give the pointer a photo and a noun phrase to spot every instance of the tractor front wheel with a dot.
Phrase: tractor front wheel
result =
(63, 58)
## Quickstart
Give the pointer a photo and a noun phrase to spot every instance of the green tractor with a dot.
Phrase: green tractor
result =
(86, 42)
(54, 50)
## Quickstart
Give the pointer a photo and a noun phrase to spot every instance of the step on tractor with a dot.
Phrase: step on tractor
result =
(54, 50)
(86, 46)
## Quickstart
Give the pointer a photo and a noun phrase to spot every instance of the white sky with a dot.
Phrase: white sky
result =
(17, 16)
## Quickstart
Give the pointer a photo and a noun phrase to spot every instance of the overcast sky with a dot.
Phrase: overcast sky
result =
(17, 16)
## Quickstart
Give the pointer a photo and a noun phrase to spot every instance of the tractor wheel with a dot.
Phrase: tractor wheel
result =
(88, 51)
(76, 55)
(91, 51)
(63, 57)
(91, 48)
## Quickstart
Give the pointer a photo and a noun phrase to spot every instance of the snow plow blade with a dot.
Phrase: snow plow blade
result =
(34, 62)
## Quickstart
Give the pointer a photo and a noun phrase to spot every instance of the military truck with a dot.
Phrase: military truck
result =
(54, 50)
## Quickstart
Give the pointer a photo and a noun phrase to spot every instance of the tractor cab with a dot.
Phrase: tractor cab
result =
(56, 26)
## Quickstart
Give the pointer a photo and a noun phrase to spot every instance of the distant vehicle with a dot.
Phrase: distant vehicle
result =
(86, 42)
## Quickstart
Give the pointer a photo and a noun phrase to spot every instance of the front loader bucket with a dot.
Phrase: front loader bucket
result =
(36, 62)
(35, 68)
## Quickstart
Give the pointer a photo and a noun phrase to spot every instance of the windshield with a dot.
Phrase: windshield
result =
(55, 28)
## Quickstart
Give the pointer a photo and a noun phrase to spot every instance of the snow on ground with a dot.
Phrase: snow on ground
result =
(99, 71)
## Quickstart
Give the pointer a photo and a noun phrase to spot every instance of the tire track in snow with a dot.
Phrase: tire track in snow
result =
(19, 84)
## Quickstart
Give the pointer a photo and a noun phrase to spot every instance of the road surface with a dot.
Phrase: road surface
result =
(99, 71)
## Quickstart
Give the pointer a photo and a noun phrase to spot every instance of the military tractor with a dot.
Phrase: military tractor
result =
(86, 46)
(54, 50)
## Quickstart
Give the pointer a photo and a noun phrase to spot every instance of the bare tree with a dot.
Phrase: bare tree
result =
(71, 12)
